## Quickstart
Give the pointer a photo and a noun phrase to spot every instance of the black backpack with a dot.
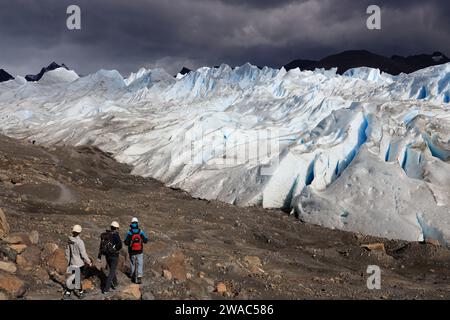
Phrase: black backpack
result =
(107, 244)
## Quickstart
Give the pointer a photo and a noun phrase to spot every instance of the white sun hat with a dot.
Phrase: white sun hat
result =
(115, 224)
(77, 228)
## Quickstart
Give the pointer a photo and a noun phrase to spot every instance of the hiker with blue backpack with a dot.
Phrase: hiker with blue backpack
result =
(135, 239)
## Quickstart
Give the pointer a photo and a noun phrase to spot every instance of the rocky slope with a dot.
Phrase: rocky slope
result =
(198, 249)
(5, 76)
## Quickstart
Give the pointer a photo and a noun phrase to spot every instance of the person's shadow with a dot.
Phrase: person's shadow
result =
(95, 272)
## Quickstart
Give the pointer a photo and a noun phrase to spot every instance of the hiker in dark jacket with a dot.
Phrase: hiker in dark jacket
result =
(135, 239)
(110, 246)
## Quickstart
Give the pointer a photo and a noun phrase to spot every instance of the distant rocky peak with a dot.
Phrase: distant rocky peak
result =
(50, 67)
(5, 76)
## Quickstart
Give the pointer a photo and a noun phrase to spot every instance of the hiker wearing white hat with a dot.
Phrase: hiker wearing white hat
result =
(134, 240)
(76, 257)
(110, 246)
(115, 225)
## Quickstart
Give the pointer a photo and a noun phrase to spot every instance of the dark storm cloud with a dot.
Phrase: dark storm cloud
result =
(126, 35)
(260, 4)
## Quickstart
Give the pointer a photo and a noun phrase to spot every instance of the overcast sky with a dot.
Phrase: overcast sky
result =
(128, 34)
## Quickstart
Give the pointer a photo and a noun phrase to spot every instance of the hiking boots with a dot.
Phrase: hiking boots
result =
(80, 294)
(66, 295)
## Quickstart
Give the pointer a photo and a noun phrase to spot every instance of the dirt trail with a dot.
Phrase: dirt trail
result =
(256, 253)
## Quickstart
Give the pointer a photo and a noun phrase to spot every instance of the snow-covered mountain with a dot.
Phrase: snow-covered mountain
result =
(52, 66)
(364, 151)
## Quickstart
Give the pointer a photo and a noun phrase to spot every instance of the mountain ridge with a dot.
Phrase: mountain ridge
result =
(5, 76)
(350, 59)
(44, 70)
(343, 61)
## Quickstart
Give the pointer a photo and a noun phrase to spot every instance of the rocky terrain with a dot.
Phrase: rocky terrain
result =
(198, 249)
(5, 76)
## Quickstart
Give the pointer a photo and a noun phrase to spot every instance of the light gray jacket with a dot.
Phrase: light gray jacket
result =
(76, 254)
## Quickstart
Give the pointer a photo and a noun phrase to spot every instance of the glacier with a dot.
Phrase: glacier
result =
(364, 151)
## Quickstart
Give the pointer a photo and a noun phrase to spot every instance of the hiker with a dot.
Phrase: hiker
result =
(135, 239)
(76, 257)
(110, 246)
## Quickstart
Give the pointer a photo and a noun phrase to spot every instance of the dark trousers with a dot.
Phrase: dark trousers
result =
(112, 262)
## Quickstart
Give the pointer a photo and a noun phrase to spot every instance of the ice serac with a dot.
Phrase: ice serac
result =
(364, 151)
(375, 197)
(59, 75)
